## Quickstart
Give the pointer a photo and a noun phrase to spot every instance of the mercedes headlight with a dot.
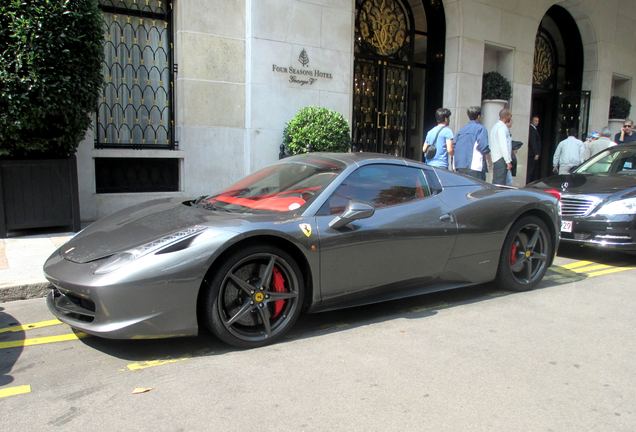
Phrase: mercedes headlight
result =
(120, 259)
(624, 206)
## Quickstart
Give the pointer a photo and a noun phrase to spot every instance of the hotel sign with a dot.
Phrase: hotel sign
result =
(304, 75)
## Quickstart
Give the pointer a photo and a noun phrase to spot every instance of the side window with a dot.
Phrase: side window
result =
(378, 185)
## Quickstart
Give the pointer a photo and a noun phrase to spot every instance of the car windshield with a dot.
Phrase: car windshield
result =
(279, 188)
(613, 161)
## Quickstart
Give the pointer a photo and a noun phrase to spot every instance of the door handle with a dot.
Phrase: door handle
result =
(378, 120)
(447, 218)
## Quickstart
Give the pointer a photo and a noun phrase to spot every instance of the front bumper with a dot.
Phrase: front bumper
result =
(616, 232)
(147, 302)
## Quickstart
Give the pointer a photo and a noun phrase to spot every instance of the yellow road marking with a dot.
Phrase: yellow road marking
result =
(591, 268)
(31, 326)
(42, 340)
(577, 264)
(153, 363)
(12, 391)
(609, 271)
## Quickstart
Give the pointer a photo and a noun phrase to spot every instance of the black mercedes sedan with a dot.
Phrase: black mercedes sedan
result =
(598, 199)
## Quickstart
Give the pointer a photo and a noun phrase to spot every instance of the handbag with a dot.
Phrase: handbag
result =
(431, 150)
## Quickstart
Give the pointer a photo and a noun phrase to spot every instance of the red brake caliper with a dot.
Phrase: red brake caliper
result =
(279, 286)
(513, 254)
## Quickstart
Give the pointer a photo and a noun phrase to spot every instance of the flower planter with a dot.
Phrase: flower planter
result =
(38, 194)
(490, 111)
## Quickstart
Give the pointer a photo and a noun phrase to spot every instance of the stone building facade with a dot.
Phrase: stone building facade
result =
(231, 73)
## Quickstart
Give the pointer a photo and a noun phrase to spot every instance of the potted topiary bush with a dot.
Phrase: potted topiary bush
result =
(495, 94)
(316, 129)
(50, 74)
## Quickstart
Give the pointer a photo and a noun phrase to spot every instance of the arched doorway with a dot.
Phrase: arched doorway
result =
(557, 95)
(398, 74)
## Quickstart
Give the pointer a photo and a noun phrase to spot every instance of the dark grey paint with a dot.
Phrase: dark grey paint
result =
(450, 239)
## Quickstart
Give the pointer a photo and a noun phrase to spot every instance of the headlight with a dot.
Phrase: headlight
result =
(625, 206)
(120, 259)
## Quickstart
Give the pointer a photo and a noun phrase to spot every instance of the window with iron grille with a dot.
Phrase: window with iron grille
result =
(135, 107)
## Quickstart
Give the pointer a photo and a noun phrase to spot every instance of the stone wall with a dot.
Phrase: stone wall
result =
(278, 83)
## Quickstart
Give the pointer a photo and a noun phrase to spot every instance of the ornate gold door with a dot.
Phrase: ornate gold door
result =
(384, 47)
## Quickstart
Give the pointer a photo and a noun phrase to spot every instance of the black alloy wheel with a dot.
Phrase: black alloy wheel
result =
(255, 297)
(525, 255)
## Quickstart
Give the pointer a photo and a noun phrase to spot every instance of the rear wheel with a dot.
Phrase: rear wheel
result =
(525, 255)
(255, 297)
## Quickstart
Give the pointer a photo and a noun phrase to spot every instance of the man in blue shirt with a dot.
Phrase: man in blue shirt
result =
(471, 146)
(441, 136)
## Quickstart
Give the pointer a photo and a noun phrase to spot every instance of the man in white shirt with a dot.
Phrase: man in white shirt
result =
(500, 143)
(569, 153)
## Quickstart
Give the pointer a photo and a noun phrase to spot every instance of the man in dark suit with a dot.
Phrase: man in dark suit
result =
(534, 150)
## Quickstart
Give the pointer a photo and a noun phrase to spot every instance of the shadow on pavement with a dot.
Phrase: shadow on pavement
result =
(308, 326)
(8, 357)
(315, 325)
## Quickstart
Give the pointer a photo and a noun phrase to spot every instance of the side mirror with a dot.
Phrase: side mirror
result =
(355, 210)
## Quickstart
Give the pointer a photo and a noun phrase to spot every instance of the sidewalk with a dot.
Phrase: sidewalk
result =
(21, 261)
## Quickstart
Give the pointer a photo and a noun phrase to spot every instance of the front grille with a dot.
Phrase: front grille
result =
(73, 306)
(578, 205)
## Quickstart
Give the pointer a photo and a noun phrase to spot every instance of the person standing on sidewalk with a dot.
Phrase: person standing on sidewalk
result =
(569, 153)
(534, 150)
(471, 146)
(441, 136)
(500, 143)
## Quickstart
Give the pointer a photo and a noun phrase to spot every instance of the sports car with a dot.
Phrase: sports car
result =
(598, 200)
(310, 233)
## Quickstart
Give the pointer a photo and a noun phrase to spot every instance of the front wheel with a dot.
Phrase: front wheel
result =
(525, 255)
(255, 297)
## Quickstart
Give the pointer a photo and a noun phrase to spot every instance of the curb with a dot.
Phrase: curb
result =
(24, 291)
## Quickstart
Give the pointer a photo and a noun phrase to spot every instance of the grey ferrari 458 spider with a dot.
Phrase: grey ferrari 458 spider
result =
(309, 233)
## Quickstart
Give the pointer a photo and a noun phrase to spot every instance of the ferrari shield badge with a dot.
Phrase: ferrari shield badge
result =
(306, 229)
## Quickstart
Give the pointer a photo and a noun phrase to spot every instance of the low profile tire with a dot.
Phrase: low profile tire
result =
(255, 297)
(525, 255)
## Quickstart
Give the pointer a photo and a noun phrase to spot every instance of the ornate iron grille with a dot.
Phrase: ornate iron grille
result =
(384, 28)
(395, 109)
(366, 115)
(135, 108)
(384, 51)
(544, 61)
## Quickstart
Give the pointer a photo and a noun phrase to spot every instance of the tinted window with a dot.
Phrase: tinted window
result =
(380, 186)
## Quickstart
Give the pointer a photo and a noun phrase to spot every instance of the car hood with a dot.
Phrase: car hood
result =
(586, 184)
(144, 223)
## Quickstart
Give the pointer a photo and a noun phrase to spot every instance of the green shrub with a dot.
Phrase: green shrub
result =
(619, 108)
(50, 73)
(495, 86)
(316, 129)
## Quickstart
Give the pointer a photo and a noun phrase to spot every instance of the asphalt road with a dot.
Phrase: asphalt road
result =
(559, 358)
